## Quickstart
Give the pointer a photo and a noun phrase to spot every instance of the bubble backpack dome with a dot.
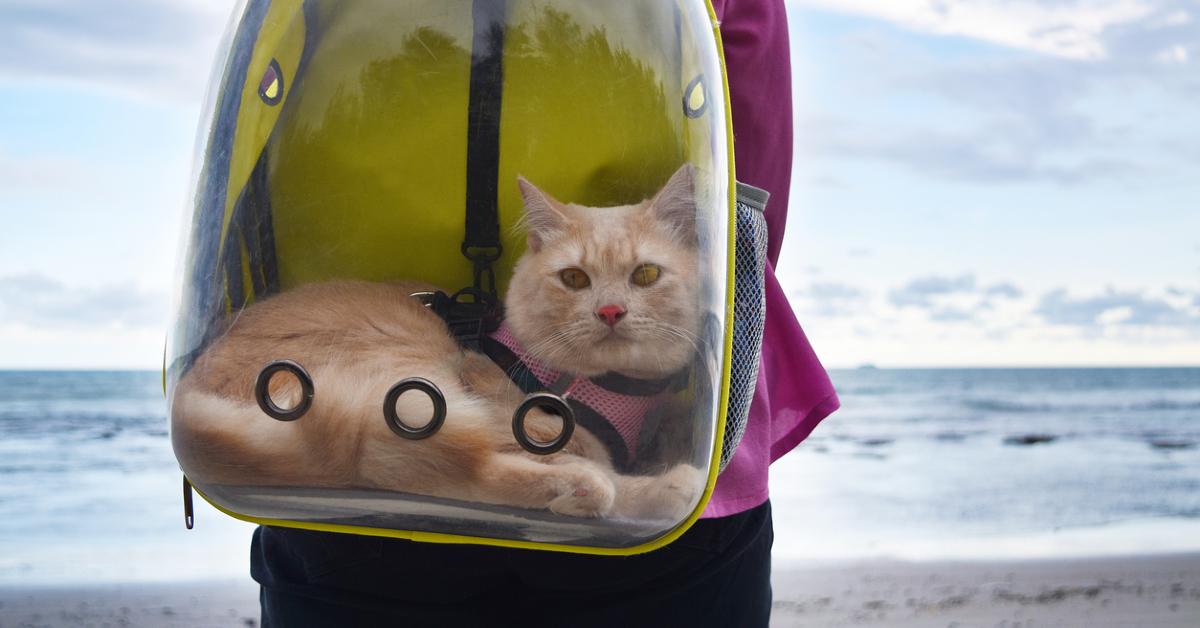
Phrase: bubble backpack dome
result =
(376, 181)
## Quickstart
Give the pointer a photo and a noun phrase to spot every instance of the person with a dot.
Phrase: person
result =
(716, 574)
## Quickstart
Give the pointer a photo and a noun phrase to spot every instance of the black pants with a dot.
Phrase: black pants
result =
(717, 574)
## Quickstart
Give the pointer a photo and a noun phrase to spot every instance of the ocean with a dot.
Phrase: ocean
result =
(917, 465)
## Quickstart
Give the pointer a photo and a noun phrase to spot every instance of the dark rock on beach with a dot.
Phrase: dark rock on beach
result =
(1166, 443)
(1030, 439)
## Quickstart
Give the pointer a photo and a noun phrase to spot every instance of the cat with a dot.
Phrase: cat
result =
(597, 291)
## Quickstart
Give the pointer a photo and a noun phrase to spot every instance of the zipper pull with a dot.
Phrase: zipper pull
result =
(188, 518)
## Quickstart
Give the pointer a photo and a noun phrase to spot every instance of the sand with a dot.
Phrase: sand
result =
(181, 605)
(1134, 591)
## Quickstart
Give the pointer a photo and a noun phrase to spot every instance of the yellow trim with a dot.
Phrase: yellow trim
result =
(722, 410)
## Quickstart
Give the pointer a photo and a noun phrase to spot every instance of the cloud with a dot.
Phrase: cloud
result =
(953, 315)
(827, 181)
(1003, 150)
(830, 299)
(1005, 290)
(1153, 51)
(961, 299)
(62, 175)
(37, 172)
(945, 299)
(147, 48)
(1029, 114)
(1167, 36)
(1017, 84)
(921, 292)
(1113, 308)
(834, 291)
(1061, 28)
(948, 320)
(37, 301)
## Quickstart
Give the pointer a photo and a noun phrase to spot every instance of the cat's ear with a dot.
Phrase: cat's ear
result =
(675, 204)
(543, 219)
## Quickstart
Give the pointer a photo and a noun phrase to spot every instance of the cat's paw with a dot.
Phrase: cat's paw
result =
(670, 496)
(582, 492)
(680, 490)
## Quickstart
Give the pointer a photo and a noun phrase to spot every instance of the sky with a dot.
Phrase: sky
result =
(976, 183)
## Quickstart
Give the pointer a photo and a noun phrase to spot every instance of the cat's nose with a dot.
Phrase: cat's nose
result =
(610, 314)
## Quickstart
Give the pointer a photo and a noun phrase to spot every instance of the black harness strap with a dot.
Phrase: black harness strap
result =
(619, 383)
(585, 415)
(512, 366)
(481, 242)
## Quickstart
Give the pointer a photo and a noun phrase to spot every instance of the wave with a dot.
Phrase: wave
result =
(1019, 407)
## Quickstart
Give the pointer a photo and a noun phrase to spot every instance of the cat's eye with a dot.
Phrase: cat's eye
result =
(575, 278)
(646, 274)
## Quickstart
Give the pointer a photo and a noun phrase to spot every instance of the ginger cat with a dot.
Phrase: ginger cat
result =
(598, 291)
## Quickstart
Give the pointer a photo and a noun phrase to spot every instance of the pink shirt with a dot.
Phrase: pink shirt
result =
(794, 393)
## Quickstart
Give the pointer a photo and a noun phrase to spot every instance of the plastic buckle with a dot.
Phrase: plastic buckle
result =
(470, 313)
(484, 271)
(482, 258)
(473, 314)
(487, 253)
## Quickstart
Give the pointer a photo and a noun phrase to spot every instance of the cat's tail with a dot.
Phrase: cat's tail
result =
(224, 441)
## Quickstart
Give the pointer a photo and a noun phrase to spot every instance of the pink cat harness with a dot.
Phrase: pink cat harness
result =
(620, 403)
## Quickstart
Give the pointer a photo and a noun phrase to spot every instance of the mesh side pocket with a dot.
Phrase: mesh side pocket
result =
(749, 310)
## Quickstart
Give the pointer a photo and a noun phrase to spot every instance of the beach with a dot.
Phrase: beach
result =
(1161, 590)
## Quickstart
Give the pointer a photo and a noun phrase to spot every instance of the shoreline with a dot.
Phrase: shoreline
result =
(1152, 589)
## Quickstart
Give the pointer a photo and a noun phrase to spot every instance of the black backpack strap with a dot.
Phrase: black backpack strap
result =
(481, 242)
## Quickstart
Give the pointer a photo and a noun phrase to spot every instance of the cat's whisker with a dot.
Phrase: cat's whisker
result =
(680, 333)
(548, 348)
(557, 333)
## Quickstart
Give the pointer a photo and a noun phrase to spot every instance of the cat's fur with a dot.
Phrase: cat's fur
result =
(357, 339)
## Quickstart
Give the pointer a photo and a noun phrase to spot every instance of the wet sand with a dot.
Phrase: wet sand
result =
(1134, 591)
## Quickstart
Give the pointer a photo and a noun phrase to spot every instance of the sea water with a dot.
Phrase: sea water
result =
(918, 464)
(996, 463)
(90, 490)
